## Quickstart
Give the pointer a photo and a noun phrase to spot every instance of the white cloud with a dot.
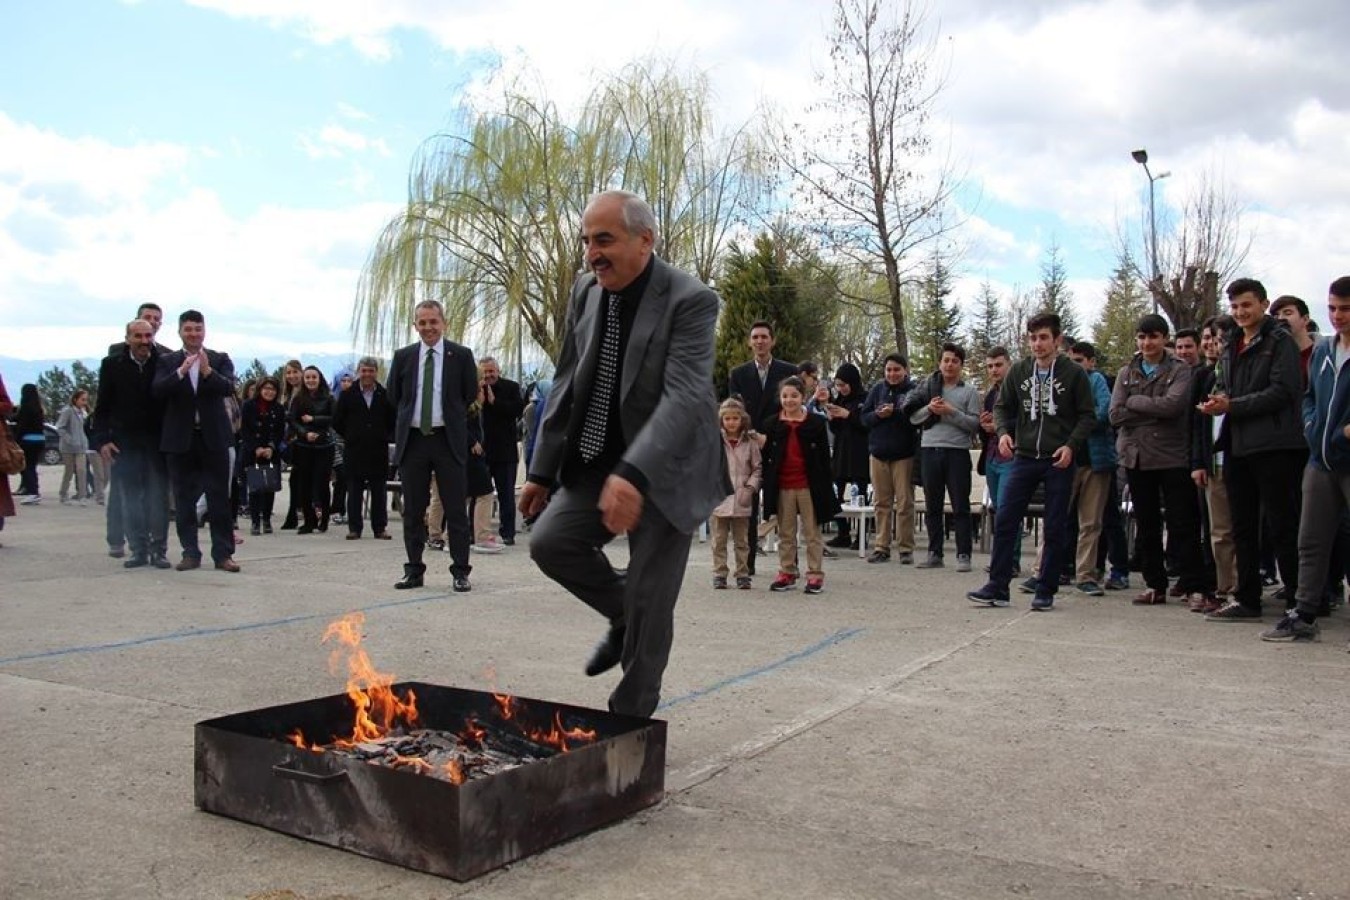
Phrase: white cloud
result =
(274, 277)
(336, 142)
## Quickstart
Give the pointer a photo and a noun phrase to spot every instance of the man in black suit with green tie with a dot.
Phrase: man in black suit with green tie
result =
(431, 384)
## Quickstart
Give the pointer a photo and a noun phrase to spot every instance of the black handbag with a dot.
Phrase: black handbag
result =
(263, 479)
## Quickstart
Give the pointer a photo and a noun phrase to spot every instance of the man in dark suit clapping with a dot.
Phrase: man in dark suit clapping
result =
(196, 437)
(431, 384)
(502, 405)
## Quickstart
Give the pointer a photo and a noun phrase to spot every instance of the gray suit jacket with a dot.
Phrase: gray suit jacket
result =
(667, 406)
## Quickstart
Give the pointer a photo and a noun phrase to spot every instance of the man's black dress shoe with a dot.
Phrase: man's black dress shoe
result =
(160, 561)
(136, 561)
(462, 584)
(607, 653)
(410, 580)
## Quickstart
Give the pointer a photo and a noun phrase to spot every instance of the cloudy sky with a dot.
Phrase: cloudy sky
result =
(240, 156)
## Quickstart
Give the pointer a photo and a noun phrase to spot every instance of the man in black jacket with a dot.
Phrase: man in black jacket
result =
(126, 434)
(502, 405)
(365, 419)
(196, 438)
(1257, 392)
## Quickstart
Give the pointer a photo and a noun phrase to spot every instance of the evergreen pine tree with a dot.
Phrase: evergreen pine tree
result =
(1054, 295)
(1126, 302)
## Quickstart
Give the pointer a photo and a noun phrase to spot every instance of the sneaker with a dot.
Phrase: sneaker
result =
(1197, 602)
(1175, 591)
(1234, 612)
(1043, 602)
(1117, 581)
(1150, 598)
(339, 519)
(906, 559)
(743, 583)
(64, 501)
(1268, 579)
(1282, 595)
(988, 596)
(117, 551)
(839, 540)
(488, 545)
(719, 583)
(828, 553)
(879, 556)
(432, 543)
(932, 561)
(31, 500)
(815, 585)
(784, 582)
(1030, 586)
(963, 563)
(1292, 628)
(1091, 588)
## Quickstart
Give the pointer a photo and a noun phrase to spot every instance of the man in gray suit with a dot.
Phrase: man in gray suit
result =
(630, 438)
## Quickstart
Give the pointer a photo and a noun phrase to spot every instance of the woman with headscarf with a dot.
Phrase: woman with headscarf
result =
(29, 433)
(337, 508)
(311, 436)
(851, 465)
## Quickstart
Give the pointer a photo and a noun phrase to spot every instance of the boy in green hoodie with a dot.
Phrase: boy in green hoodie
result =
(1043, 417)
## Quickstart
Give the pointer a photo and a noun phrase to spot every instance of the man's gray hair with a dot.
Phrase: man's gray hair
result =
(429, 304)
(637, 213)
(488, 359)
(369, 361)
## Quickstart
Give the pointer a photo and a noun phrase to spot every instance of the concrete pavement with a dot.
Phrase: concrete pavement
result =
(884, 739)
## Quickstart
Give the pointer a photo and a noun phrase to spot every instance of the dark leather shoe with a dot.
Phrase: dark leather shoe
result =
(228, 565)
(383, 536)
(160, 561)
(461, 584)
(410, 580)
(607, 653)
(189, 563)
(136, 561)
(353, 536)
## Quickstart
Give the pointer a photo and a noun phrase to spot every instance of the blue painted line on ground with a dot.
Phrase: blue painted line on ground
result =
(190, 633)
(838, 637)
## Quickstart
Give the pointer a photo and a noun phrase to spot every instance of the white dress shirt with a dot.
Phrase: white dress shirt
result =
(438, 351)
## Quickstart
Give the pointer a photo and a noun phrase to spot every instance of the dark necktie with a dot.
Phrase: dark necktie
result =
(592, 441)
(428, 391)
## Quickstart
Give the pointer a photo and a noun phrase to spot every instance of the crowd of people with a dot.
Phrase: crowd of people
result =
(1210, 442)
(173, 436)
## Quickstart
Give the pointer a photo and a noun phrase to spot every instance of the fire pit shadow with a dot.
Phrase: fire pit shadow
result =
(247, 767)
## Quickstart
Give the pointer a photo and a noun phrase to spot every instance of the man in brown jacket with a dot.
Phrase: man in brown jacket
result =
(1149, 410)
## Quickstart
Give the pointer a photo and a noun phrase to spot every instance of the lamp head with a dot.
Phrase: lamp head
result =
(1140, 156)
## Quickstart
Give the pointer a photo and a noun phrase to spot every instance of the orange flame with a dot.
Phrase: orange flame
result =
(453, 772)
(558, 737)
(297, 737)
(473, 732)
(506, 705)
(378, 709)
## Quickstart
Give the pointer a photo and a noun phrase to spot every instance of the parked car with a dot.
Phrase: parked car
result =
(51, 453)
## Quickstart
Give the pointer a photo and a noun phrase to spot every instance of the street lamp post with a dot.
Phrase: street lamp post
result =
(1141, 157)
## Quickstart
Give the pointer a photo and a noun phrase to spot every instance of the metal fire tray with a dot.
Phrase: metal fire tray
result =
(246, 769)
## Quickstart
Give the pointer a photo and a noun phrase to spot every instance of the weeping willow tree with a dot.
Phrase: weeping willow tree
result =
(493, 215)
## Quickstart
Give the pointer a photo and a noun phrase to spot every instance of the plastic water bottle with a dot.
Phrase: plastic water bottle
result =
(853, 495)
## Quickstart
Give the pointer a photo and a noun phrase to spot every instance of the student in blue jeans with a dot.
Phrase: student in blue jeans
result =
(1043, 416)
(992, 466)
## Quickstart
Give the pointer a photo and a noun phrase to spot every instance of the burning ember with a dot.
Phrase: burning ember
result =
(386, 732)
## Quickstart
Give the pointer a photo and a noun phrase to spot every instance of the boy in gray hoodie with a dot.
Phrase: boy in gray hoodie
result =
(1046, 402)
(949, 412)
